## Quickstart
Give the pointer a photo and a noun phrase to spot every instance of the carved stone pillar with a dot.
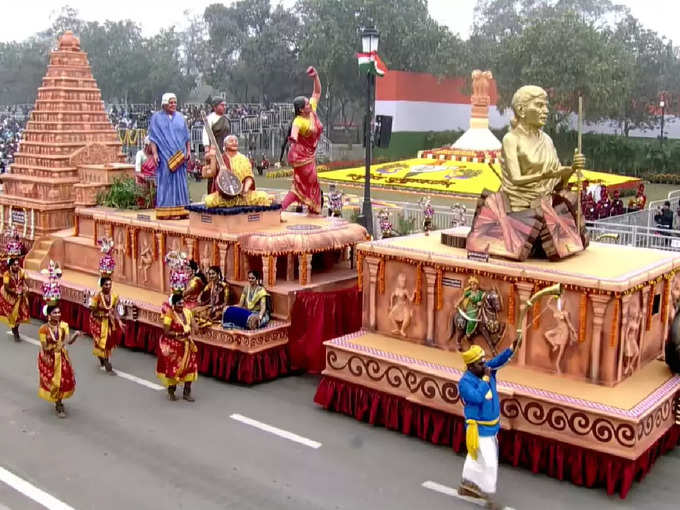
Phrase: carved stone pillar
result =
(269, 270)
(305, 268)
(290, 267)
(430, 282)
(223, 249)
(524, 290)
(161, 261)
(373, 264)
(599, 304)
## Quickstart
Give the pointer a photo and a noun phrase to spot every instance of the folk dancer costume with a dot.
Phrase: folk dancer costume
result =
(57, 381)
(169, 133)
(219, 123)
(105, 311)
(14, 309)
(482, 421)
(302, 153)
(253, 309)
(240, 166)
(177, 353)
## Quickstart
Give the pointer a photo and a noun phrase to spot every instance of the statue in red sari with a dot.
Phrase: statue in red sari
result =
(304, 136)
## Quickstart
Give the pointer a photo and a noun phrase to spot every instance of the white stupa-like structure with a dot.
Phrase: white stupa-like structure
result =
(478, 144)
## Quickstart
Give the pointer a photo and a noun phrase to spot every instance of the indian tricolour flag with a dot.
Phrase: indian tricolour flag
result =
(371, 63)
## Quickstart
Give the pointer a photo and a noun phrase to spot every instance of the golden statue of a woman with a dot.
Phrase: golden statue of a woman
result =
(533, 196)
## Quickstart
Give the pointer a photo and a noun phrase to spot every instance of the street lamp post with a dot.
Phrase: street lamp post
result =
(662, 105)
(369, 43)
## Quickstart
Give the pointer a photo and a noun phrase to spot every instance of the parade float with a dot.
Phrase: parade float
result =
(70, 152)
(586, 398)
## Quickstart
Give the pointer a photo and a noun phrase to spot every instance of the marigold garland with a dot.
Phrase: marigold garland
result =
(614, 332)
(237, 265)
(96, 231)
(161, 246)
(511, 305)
(582, 317)
(440, 289)
(303, 269)
(650, 306)
(665, 301)
(381, 277)
(270, 277)
(418, 298)
(127, 246)
(76, 226)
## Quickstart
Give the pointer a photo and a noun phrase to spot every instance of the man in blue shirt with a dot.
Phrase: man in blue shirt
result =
(482, 421)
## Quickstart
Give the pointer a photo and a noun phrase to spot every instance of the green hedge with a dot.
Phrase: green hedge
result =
(609, 153)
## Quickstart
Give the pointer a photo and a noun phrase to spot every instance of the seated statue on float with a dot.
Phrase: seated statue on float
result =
(239, 166)
(254, 308)
(533, 213)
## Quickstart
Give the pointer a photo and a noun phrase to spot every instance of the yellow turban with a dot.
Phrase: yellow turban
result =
(473, 354)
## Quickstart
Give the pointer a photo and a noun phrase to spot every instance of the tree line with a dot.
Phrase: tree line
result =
(256, 52)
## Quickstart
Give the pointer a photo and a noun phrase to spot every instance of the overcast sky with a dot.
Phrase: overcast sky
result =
(22, 18)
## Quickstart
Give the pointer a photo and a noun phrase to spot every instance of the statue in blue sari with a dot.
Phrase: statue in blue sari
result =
(171, 148)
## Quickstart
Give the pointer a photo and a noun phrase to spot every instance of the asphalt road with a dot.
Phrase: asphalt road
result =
(124, 445)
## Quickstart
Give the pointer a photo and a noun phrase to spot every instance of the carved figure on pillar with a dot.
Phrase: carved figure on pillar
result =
(562, 335)
(401, 307)
(145, 261)
(477, 314)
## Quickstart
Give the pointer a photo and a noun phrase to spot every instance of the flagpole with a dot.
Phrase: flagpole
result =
(579, 174)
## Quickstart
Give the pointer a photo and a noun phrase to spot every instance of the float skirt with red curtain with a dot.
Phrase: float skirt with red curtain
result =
(221, 363)
(581, 466)
(317, 317)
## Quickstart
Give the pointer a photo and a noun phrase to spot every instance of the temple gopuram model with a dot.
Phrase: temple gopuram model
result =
(70, 151)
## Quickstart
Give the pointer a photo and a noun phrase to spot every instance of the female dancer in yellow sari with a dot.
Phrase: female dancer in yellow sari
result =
(104, 320)
(253, 310)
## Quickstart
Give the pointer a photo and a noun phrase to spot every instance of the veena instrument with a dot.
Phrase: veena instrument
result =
(227, 183)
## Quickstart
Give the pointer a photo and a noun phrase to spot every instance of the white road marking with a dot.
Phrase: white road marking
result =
(32, 492)
(124, 375)
(276, 431)
(450, 491)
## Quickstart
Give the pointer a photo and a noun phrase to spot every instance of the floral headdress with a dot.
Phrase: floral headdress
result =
(179, 271)
(51, 289)
(107, 263)
(13, 246)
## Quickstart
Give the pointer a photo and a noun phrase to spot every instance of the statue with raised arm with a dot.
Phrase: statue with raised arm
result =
(533, 212)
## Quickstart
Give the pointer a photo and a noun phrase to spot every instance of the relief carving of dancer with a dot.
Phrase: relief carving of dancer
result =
(561, 336)
(632, 322)
(401, 307)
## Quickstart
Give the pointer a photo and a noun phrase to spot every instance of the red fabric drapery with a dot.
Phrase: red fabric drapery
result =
(215, 361)
(558, 460)
(317, 317)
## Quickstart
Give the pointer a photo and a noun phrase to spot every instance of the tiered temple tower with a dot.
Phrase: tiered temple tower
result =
(68, 129)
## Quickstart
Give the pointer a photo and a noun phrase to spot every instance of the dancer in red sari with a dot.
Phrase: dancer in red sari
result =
(57, 381)
(304, 137)
(177, 353)
(14, 308)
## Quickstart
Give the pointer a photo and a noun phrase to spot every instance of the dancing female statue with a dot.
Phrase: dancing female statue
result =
(401, 307)
(561, 336)
(304, 136)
